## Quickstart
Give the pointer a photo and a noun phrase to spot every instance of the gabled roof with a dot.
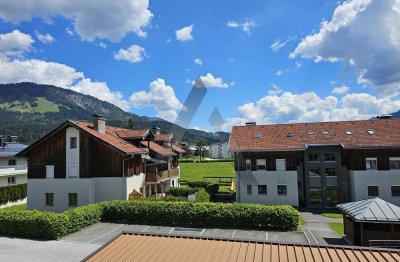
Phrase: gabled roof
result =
(163, 138)
(11, 149)
(372, 210)
(349, 134)
(109, 138)
(160, 150)
(133, 134)
(177, 149)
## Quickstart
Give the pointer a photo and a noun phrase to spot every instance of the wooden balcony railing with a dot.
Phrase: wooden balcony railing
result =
(162, 175)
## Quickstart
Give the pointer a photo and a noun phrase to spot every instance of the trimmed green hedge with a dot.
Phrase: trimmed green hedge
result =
(249, 216)
(182, 191)
(84, 216)
(12, 193)
(202, 195)
(198, 184)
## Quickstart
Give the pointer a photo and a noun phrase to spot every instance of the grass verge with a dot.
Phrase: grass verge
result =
(338, 228)
(332, 215)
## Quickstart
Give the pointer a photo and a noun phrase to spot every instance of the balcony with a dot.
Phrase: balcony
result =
(162, 175)
(13, 170)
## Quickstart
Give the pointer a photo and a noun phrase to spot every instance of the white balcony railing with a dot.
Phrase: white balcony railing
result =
(13, 170)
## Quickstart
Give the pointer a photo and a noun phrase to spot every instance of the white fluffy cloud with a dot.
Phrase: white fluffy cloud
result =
(134, 54)
(246, 26)
(364, 34)
(14, 44)
(60, 75)
(211, 81)
(341, 90)
(161, 97)
(184, 34)
(198, 61)
(92, 19)
(44, 38)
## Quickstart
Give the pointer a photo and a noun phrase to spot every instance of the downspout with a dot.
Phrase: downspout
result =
(123, 177)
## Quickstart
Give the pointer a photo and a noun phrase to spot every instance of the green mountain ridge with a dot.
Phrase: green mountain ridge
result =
(30, 111)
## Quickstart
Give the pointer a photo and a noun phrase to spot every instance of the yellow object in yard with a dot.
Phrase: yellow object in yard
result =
(233, 185)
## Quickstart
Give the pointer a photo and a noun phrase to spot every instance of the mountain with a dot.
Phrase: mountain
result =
(30, 111)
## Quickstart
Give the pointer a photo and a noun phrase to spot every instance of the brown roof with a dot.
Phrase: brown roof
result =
(163, 138)
(132, 134)
(110, 137)
(145, 247)
(158, 149)
(275, 137)
(178, 149)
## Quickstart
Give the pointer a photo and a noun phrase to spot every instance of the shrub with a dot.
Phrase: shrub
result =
(12, 193)
(250, 216)
(33, 224)
(165, 198)
(212, 189)
(202, 195)
(182, 191)
(199, 184)
(84, 216)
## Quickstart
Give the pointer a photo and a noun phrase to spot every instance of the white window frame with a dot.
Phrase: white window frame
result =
(281, 167)
(12, 180)
(248, 162)
(371, 159)
(394, 159)
(368, 193)
(76, 142)
(263, 161)
(50, 175)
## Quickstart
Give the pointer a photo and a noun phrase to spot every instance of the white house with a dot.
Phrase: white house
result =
(219, 150)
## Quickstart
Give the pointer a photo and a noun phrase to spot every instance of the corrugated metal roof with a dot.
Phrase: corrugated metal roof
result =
(147, 247)
(11, 149)
(375, 209)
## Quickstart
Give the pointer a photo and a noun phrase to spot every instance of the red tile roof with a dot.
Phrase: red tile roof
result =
(110, 137)
(163, 138)
(132, 134)
(275, 137)
(158, 149)
(177, 149)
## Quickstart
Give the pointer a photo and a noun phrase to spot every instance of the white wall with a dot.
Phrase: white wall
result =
(271, 179)
(72, 154)
(20, 161)
(19, 179)
(360, 180)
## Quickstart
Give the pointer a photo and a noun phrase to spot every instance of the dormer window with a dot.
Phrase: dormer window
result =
(257, 135)
(289, 134)
(370, 132)
(348, 132)
(310, 133)
(325, 133)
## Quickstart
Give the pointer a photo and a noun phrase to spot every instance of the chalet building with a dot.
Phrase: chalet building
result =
(80, 163)
(317, 164)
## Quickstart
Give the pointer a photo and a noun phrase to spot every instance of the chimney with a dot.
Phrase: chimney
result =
(2, 141)
(13, 139)
(156, 131)
(251, 123)
(99, 123)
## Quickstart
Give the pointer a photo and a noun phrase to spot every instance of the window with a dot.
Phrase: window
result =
(314, 172)
(12, 162)
(325, 133)
(315, 197)
(330, 157)
(280, 164)
(331, 172)
(289, 134)
(249, 190)
(394, 162)
(11, 180)
(261, 164)
(49, 199)
(257, 135)
(73, 199)
(373, 191)
(395, 191)
(313, 157)
(371, 132)
(262, 189)
(371, 163)
(73, 142)
(282, 190)
(310, 133)
(348, 132)
(73, 172)
(49, 171)
(248, 164)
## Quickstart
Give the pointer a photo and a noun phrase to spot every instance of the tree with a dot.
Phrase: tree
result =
(130, 123)
(200, 145)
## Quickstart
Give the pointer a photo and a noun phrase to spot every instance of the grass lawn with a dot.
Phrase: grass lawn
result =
(17, 207)
(196, 171)
(338, 228)
(332, 215)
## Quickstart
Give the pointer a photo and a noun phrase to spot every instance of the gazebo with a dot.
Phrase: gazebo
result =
(371, 222)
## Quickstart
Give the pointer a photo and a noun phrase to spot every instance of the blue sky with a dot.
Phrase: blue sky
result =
(265, 61)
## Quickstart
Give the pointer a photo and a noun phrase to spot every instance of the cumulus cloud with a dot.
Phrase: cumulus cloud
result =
(246, 26)
(134, 54)
(117, 18)
(341, 90)
(184, 34)
(364, 34)
(211, 81)
(161, 97)
(198, 61)
(14, 44)
(279, 73)
(41, 72)
(44, 38)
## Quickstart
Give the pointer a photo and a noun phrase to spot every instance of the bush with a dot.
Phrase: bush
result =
(182, 191)
(84, 216)
(165, 198)
(202, 195)
(34, 224)
(12, 193)
(212, 189)
(249, 216)
(198, 184)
